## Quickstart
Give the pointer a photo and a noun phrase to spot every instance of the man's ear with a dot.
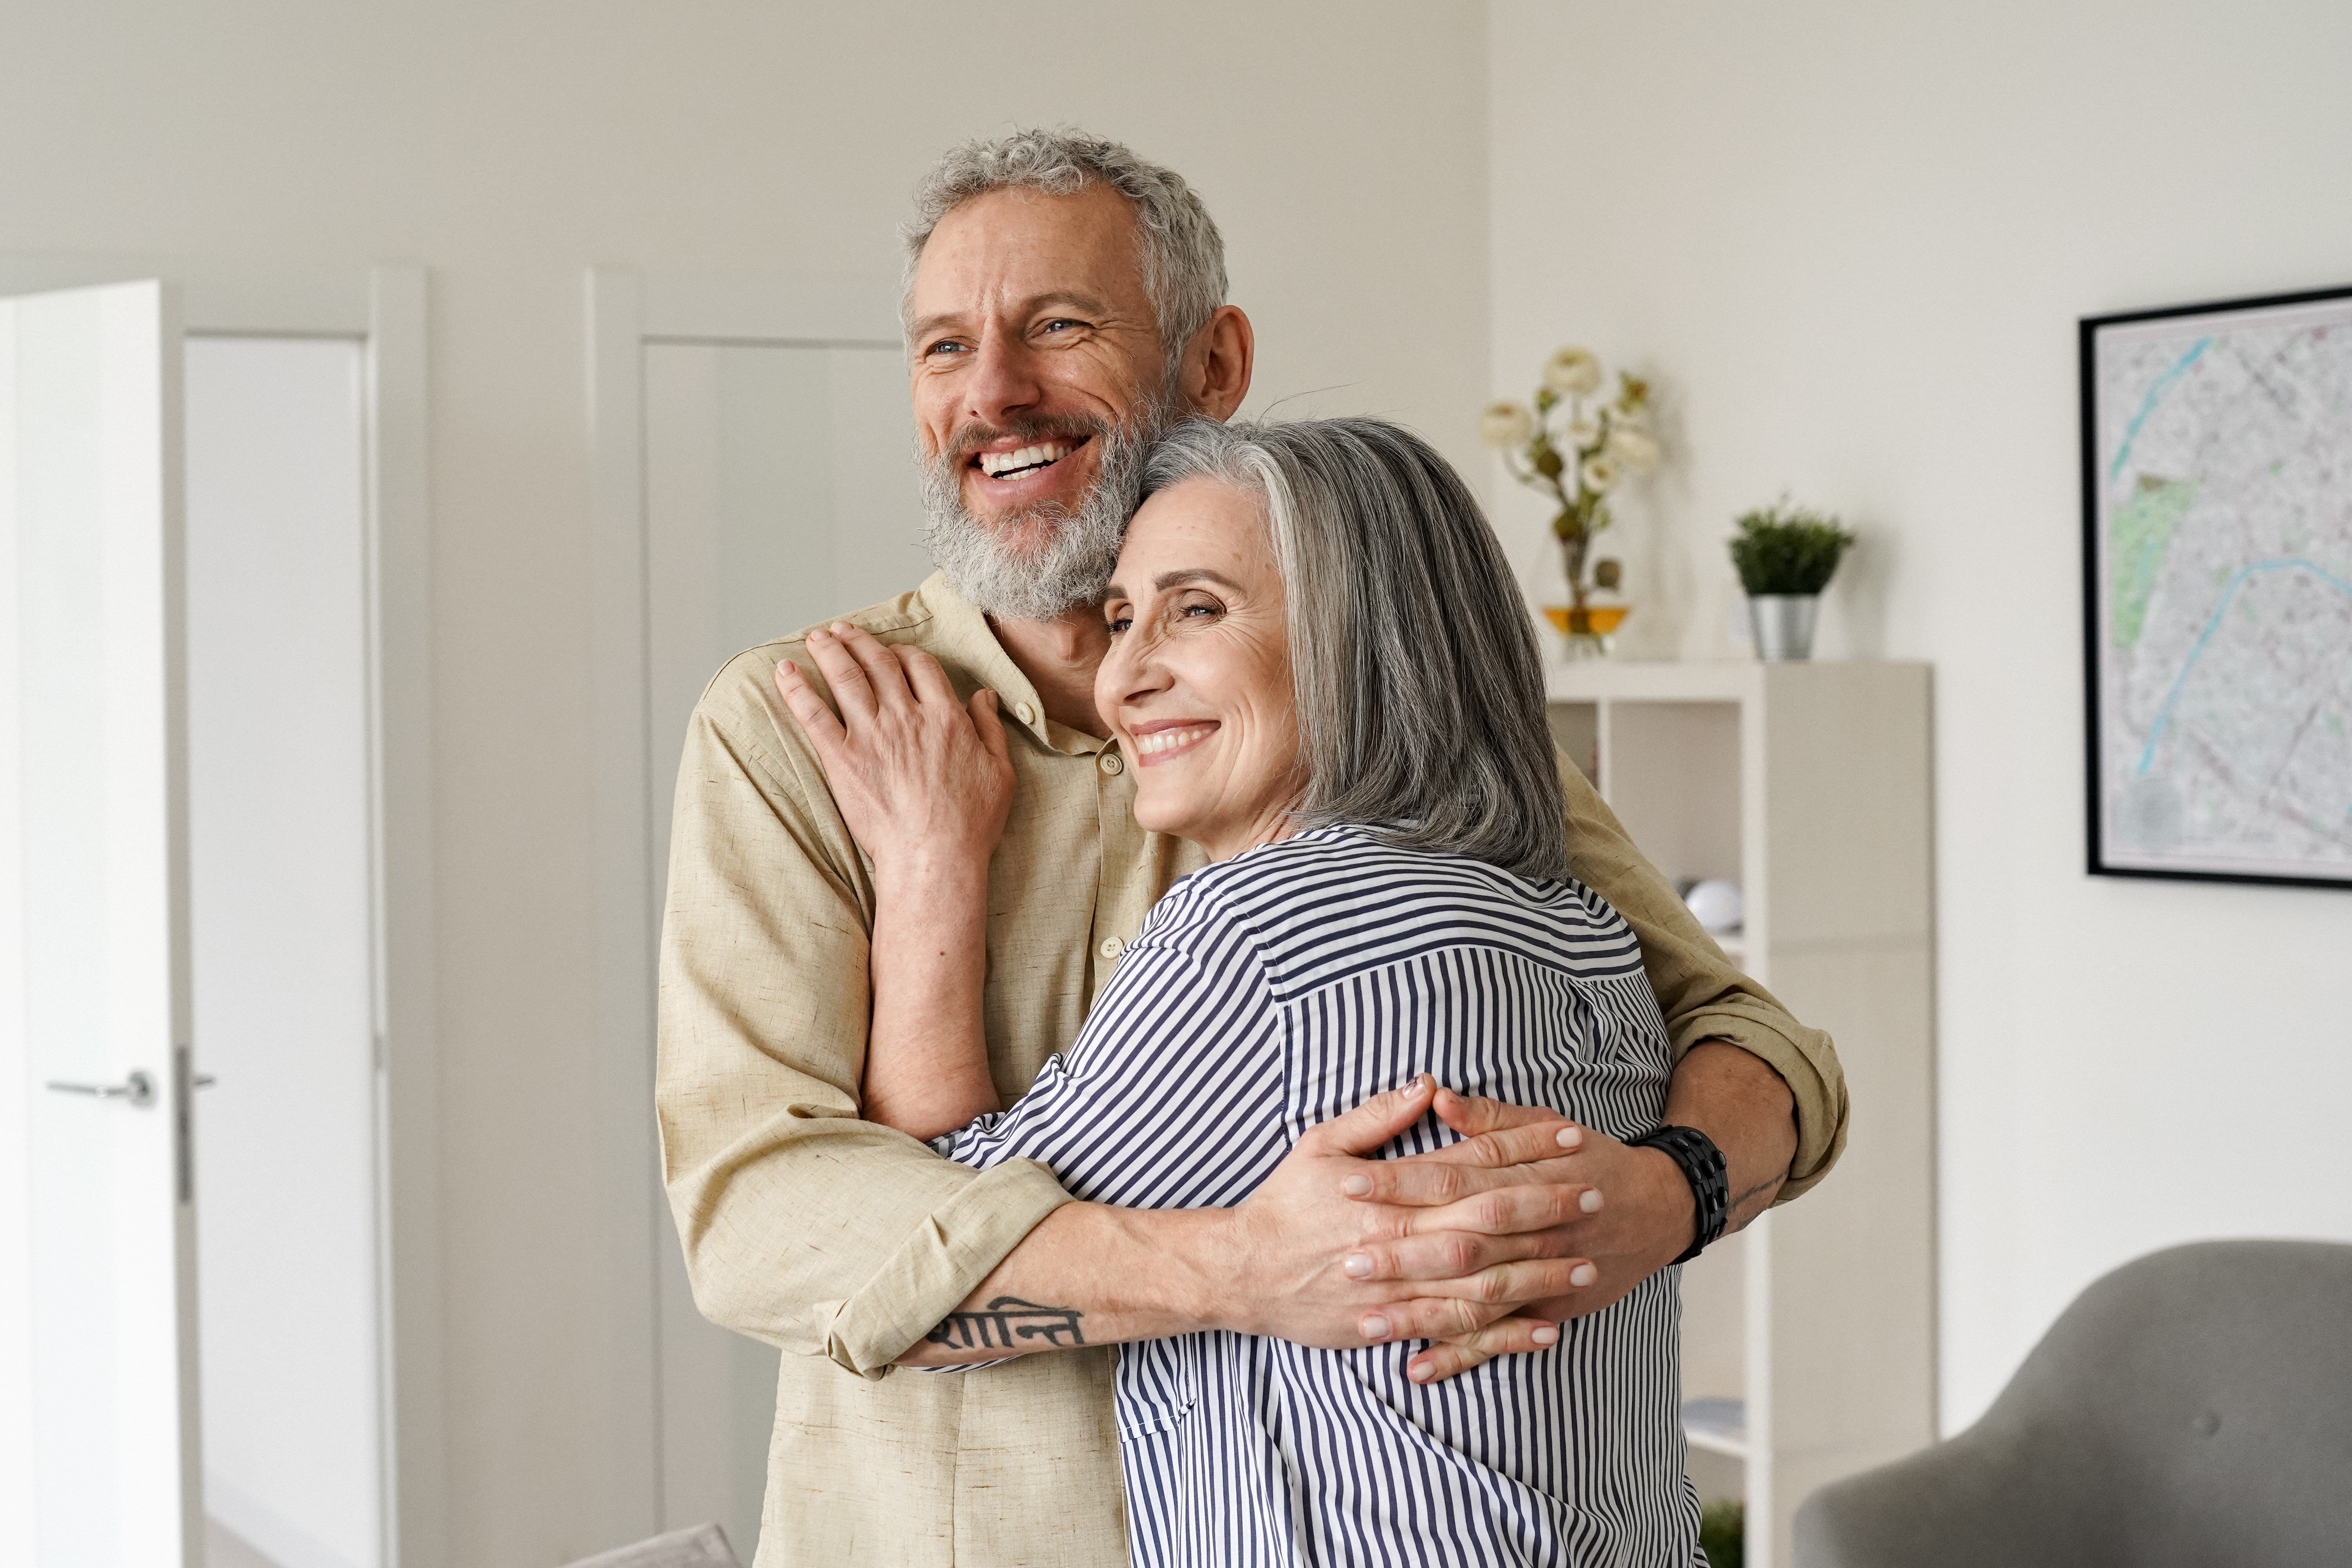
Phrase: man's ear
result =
(1217, 364)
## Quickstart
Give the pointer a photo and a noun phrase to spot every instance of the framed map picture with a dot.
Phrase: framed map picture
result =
(2217, 553)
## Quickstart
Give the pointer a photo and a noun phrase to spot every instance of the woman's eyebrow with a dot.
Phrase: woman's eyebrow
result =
(1168, 580)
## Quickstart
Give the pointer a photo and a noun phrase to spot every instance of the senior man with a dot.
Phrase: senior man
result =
(1064, 301)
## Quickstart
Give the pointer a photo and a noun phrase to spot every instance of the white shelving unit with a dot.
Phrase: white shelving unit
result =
(1809, 1338)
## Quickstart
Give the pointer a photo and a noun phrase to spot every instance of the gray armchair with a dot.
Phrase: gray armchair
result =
(2191, 1408)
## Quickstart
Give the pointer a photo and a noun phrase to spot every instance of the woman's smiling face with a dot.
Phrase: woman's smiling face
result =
(1197, 683)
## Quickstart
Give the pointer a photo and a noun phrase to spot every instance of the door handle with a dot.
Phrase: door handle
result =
(138, 1089)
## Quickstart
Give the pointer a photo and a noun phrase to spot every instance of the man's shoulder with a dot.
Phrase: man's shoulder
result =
(744, 690)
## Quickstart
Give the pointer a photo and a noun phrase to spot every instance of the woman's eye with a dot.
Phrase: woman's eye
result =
(1118, 623)
(1198, 610)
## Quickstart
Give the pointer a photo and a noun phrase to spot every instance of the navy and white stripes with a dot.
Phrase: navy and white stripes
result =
(1277, 991)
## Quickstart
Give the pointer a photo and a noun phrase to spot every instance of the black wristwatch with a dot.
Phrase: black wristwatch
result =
(1702, 1165)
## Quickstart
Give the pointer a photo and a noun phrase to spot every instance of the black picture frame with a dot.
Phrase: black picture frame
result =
(2106, 856)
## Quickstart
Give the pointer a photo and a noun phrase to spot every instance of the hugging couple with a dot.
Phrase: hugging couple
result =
(1149, 1024)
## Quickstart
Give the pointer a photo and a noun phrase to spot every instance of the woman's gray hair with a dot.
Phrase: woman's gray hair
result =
(1184, 255)
(1420, 687)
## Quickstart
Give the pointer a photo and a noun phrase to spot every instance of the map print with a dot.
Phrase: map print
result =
(2220, 534)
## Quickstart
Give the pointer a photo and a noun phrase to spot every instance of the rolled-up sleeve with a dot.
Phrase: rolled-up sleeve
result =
(1703, 996)
(803, 1225)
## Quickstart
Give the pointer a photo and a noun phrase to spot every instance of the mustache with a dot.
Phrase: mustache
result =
(969, 438)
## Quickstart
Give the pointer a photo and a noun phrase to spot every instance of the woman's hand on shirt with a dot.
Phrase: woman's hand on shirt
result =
(1510, 1155)
(1732, 1096)
(1304, 1261)
(920, 778)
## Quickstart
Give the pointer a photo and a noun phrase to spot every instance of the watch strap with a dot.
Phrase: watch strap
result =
(1703, 1167)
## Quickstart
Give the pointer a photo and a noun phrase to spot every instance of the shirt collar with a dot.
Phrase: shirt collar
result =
(965, 636)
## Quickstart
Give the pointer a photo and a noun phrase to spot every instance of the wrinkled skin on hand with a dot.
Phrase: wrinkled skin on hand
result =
(916, 774)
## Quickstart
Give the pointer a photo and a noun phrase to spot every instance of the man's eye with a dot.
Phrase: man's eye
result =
(1060, 322)
(944, 346)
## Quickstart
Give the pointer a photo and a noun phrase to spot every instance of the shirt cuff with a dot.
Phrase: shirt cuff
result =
(1818, 1088)
(933, 1270)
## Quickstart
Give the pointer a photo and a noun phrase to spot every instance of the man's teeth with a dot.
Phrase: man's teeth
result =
(1169, 739)
(999, 464)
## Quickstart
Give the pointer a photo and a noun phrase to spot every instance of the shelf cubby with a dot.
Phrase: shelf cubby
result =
(1808, 1339)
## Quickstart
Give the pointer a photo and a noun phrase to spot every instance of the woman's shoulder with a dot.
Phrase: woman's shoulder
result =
(1316, 862)
(1237, 894)
(1345, 893)
(1283, 870)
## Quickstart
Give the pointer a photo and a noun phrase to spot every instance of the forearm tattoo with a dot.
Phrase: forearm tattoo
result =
(1764, 1189)
(1008, 1321)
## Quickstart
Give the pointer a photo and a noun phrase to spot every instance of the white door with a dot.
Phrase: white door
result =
(280, 849)
(98, 1462)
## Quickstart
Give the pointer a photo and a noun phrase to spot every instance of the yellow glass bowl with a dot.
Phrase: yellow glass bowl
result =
(1595, 620)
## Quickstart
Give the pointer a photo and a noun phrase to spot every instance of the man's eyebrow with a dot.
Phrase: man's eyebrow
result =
(1085, 304)
(931, 324)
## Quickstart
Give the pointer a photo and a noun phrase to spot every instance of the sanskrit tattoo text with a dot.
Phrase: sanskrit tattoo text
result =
(1010, 1323)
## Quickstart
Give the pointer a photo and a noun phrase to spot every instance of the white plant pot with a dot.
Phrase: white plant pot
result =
(1783, 625)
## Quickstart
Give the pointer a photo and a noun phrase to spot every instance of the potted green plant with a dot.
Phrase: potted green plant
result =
(1785, 555)
(1723, 1533)
(1576, 447)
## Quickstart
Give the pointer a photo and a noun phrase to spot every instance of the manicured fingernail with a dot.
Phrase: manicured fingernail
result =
(1359, 1266)
(1420, 1371)
(1374, 1327)
(842, 628)
(1357, 1187)
(1569, 1137)
(818, 633)
(1547, 1335)
(1591, 1202)
(1583, 1274)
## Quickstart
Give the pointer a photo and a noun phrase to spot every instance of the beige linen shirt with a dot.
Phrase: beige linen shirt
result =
(844, 1242)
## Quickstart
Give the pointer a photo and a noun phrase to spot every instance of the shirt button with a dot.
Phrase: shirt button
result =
(1111, 764)
(1026, 714)
(1112, 947)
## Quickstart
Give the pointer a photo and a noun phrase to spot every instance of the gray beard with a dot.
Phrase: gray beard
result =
(1072, 562)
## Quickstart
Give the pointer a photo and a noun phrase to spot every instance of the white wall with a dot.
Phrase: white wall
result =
(283, 946)
(1851, 241)
(506, 146)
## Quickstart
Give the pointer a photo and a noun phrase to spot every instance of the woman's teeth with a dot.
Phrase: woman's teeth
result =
(1169, 739)
(1003, 465)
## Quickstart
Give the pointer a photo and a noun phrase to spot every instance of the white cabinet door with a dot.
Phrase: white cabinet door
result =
(99, 1465)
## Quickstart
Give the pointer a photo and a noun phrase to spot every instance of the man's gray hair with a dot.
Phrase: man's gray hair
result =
(1183, 255)
(1419, 686)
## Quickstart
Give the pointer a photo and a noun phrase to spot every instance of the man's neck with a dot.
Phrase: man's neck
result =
(1059, 657)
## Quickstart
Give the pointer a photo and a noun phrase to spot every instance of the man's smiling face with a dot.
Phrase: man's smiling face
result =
(1034, 349)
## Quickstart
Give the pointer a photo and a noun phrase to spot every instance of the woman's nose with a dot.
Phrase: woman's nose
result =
(1131, 671)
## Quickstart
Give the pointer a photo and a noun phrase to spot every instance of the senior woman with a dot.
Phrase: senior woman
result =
(1321, 672)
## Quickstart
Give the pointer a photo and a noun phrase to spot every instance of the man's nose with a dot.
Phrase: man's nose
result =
(1004, 384)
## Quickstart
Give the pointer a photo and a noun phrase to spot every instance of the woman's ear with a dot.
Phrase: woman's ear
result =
(1217, 364)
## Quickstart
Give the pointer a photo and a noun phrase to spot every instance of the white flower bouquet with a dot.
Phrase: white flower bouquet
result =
(1578, 450)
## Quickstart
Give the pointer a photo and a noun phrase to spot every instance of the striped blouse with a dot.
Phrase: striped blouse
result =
(1273, 991)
